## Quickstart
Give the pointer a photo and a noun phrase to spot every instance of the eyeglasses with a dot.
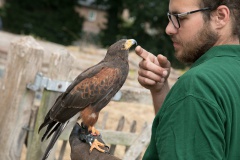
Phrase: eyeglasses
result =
(174, 18)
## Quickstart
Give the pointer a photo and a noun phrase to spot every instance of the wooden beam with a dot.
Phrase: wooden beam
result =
(118, 137)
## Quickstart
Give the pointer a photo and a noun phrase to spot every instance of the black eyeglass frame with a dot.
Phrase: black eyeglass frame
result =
(180, 15)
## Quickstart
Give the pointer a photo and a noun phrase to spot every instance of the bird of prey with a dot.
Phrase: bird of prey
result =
(90, 92)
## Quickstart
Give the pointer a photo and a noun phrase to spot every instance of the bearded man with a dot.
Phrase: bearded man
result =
(198, 118)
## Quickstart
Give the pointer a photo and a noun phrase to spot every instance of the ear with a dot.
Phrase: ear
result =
(221, 17)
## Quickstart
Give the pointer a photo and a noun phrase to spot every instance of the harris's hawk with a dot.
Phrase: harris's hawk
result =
(90, 92)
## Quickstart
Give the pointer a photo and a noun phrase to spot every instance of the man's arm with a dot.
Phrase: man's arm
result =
(158, 97)
(153, 74)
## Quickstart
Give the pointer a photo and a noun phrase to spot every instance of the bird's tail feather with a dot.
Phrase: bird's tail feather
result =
(49, 129)
(59, 129)
(47, 121)
(54, 129)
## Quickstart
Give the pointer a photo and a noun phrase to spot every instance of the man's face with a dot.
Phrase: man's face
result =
(195, 36)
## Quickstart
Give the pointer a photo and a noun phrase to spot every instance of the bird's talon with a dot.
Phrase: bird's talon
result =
(107, 147)
(96, 144)
(93, 131)
(107, 150)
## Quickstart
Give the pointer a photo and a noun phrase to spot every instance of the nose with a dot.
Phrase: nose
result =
(170, 29)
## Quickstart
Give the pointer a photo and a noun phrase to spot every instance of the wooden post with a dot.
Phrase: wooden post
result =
(59, 69)
(24, 61)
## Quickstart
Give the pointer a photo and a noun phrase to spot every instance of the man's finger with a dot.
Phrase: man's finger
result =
(144, 54)
(145, 81)
(149, 75)
(150, 66)
(163, 61)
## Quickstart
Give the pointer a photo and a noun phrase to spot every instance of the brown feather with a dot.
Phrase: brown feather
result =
(89, 117)
(98, 84)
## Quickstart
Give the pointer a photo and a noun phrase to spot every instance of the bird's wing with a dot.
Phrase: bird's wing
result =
(96, 87)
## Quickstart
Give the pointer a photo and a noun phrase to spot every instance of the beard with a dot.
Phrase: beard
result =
(197, 46)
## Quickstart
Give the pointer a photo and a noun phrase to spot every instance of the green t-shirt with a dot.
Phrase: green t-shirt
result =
(200, 117)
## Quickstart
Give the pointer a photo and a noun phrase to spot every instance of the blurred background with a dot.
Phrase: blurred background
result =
(97, 22)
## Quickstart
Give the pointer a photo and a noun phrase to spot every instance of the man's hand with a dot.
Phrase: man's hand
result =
(80, 149)
(153, 71)
(153, 74)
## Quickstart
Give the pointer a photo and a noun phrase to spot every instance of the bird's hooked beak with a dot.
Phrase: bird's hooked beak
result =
(129, 43)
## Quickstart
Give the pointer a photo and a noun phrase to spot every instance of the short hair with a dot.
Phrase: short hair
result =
(234, 7)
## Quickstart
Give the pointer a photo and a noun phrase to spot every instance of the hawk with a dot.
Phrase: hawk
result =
(90, 92)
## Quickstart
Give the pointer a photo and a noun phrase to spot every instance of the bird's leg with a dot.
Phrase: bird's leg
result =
(86, 135)
(93, 131)
(96, 144)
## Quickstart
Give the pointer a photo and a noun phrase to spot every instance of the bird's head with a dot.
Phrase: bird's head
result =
(121, 48)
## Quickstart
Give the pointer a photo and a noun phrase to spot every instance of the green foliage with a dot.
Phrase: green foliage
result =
(54, 21)
(142, 12)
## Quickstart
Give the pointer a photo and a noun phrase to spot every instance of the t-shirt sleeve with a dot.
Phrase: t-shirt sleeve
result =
(190, 129)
